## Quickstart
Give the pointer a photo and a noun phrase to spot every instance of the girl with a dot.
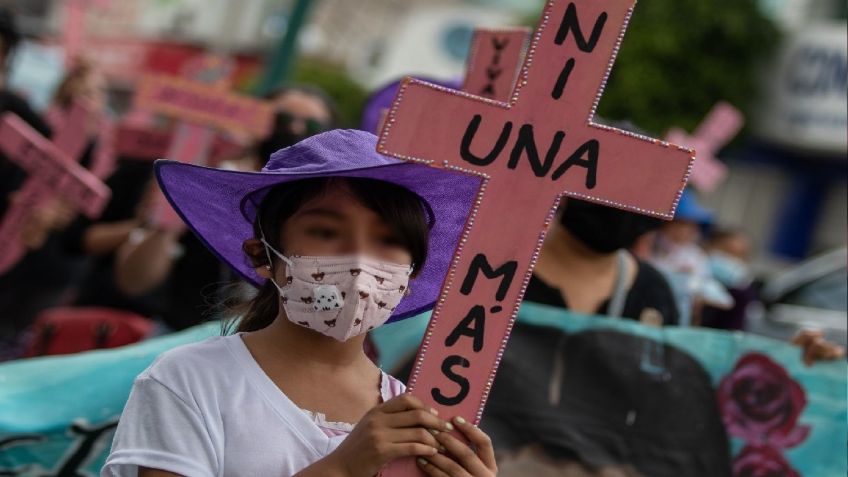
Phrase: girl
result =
(340, 240)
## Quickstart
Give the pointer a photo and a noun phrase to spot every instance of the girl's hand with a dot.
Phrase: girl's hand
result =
(400, 427)
(462, 460)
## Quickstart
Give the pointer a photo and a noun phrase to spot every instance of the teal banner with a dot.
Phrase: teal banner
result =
(58, 414)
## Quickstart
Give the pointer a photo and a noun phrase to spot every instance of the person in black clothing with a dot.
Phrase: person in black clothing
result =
(585, 404)
(588, 403)
(42, 277)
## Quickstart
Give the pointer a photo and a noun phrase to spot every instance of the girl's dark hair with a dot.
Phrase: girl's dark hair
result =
(402, 210)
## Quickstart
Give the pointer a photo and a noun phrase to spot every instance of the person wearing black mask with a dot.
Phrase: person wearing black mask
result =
(301, 111)
(583, 403)
(585, 266)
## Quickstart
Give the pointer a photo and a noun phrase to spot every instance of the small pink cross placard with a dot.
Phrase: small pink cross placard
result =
(493, 62)
(716, 130)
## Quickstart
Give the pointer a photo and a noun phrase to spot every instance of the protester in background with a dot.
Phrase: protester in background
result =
(729, 254)
(83, 83)
(10, 175)
(41, 279)
(301, 111)
(677, 252)
(536, 414)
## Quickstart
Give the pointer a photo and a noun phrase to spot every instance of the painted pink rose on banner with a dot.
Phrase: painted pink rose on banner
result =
(762, 461)
(761, 403)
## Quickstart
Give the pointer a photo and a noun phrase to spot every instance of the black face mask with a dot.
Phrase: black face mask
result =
(605, 229)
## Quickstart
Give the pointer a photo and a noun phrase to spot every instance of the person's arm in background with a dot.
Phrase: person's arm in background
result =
(145, 260)
(105, 238)
(815, 347)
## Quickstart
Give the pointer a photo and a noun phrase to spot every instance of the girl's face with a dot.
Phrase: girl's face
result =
(337, 223)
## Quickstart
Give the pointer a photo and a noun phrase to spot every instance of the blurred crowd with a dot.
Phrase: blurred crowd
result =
(125, 277)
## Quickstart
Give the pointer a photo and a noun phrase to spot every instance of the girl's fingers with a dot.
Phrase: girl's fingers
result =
(416, 417)
(442, 466)
(480, 440)
(462, 454)
(412, 435)
(408, 449)
(404, 402)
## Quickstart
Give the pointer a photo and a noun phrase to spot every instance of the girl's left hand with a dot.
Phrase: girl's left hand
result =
(458, 459)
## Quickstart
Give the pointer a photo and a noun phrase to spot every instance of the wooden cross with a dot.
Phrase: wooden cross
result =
(530, 151)
(53, 172)
(716, 130)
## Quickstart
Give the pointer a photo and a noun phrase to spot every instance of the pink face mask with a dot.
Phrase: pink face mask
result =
(340, 297)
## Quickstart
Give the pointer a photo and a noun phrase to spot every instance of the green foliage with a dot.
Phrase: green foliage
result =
(347, 93)
(680, 57)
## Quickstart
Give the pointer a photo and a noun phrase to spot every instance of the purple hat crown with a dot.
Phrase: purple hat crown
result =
(337, 150)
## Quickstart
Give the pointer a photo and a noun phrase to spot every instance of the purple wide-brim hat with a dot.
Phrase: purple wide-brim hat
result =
(220, 205)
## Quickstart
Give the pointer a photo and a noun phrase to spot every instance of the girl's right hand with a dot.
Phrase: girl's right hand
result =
(400, 427)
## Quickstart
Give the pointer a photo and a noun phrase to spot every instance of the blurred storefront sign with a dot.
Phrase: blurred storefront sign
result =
(806, 92)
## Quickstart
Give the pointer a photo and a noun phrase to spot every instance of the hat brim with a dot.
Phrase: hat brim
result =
(219, 206)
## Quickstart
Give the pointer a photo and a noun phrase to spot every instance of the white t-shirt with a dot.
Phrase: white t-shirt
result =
(207, 409)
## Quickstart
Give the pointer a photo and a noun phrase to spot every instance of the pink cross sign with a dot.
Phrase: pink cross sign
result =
(148, 144)
(53, 172)
(141, 142)
(531, 150)
(716, 130)
(494, 61)
(202, 105)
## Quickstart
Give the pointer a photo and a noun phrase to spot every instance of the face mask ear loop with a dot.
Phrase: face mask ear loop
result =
(268, 247)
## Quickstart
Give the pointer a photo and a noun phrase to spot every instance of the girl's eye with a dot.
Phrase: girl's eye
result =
(323, 233)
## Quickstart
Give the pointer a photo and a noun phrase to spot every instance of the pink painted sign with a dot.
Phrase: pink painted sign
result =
(52, 171)
(494, 61)
(716, 130)
(202, 104)
(143, 143)
(148, 144)
(539, 146)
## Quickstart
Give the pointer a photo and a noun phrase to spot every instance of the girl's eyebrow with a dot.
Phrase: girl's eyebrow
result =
(322, 212)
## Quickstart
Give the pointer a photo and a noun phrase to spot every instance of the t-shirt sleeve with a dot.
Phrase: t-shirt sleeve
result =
(161, 430)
